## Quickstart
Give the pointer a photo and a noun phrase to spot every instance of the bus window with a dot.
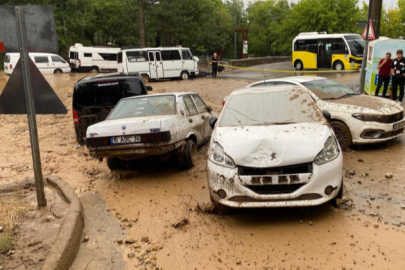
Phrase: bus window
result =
(339, 46)
(306, 46)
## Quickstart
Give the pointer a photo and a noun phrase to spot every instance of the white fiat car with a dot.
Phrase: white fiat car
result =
(355, 118)
(272, 147)
(154, 125)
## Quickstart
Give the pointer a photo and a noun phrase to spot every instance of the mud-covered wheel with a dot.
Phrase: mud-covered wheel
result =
(184, 75)
(342, 133)
(94, 70)
(298, 65)
(188, 157)
(220, 208)
(145, 78)
(116, 164)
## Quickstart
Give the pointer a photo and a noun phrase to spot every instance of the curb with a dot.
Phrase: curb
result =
(64, 250)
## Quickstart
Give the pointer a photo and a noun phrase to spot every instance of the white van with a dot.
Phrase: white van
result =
(158, 63)
(93, 59)
(45, 62)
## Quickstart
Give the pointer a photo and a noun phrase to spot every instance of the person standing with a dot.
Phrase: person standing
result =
(384, 74)
(398, 76)
(214, 63)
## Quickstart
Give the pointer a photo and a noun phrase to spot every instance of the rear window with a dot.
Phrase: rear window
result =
(105, 93)
(7, 59)
(145, 106)
(74, 55)
(119, 57)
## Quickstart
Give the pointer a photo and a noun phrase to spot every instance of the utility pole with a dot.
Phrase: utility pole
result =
(141, 23)
(365, 52)
(376, 10)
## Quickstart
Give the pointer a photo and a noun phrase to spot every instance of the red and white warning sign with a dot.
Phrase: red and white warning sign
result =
(371, 34)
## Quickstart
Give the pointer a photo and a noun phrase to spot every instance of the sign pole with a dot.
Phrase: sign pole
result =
(365, 52)
(28, 92)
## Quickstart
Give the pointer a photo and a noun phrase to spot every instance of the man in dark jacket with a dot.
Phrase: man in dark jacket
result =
(214, 62)
(398, 76)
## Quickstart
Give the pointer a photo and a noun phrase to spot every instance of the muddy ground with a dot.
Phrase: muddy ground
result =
(164, 204)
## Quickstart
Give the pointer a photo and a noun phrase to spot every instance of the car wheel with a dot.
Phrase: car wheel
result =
(94, 70)
(116, 164)
(184, 75)
(298, 65)
(342, 133)
(58, 71)
(145, 78)
(188, 157)
(338, 66)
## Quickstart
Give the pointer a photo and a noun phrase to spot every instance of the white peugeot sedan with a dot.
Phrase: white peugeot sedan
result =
(272, 147)
(155, 125)
(355, 118)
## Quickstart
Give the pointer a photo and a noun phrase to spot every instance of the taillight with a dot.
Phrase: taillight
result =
(75, 118)
(11, 66)
(94, 142)
(156, 137)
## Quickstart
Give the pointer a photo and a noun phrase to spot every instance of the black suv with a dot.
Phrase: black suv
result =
(95, 96)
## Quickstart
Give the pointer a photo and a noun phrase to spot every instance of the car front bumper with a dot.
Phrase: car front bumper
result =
(240, 192)
(387, 132)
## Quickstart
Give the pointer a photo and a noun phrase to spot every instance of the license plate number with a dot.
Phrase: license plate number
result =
(125, 139)
(399, 125)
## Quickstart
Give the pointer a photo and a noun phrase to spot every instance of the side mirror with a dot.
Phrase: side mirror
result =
(213, 121)
(327, 115)
(149, 88)
(209, 109)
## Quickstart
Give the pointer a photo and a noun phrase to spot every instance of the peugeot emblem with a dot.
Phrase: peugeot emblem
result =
(124, 127)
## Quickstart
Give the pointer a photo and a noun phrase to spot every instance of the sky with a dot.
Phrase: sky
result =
(387, 3)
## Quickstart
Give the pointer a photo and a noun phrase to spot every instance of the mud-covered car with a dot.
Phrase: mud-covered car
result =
(355, 118)
(273, 147)
(166, 125)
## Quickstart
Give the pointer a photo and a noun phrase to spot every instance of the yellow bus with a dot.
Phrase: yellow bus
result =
(314, 50)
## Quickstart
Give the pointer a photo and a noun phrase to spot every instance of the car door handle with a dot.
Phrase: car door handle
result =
(190, 120)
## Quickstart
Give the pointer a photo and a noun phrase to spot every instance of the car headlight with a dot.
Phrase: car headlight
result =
(368, 117)
(217, 155)
(329, 152)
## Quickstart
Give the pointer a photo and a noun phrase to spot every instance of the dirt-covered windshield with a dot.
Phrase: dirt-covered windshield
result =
(327, 89)
(145, 106)
(261, 108)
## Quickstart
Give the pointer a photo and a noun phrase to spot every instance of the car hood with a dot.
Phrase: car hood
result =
(362, 104)
(271, 146)
(126, 126)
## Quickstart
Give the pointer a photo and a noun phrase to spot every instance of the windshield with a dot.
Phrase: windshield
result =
(327, 89)
(356, 45)
(269, 108)
(146, 106)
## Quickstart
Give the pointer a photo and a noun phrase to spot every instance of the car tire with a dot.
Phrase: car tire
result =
(188, 157)
(342, 133)
(338, 65)
(58, 71)
(145, 78)
(184, 75)
(94, 70)
(299, 65)
(116, 164)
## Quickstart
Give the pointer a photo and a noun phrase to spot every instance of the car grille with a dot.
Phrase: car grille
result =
(274, 189)
(393, 118)
(294, 169)
(304, 197)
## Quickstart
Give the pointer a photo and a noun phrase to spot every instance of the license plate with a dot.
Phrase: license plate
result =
(125, 139)
(399, 125)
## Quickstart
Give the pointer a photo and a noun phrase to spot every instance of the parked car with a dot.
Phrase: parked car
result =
(355, 118)
(272, 147)
(154, 125)
(45, 62)
(95, 96)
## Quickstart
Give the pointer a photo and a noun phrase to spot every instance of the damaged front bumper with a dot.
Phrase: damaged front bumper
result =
(320, 185)
(134, 151)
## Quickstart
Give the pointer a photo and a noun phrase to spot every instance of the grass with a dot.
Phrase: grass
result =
(13, 211)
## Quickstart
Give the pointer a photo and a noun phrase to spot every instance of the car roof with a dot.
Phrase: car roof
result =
(274, 88)
(296, 79)
(32, 53)
(116, 75)
(177, 94)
